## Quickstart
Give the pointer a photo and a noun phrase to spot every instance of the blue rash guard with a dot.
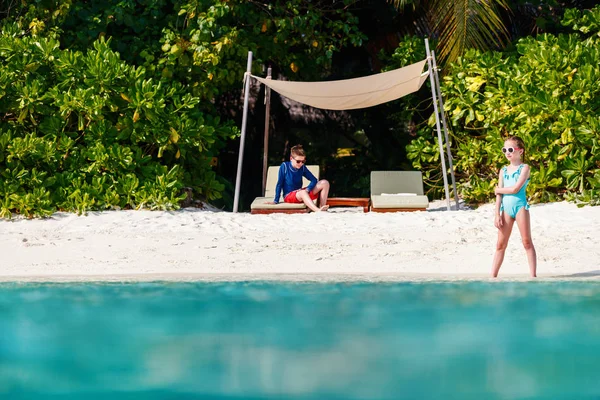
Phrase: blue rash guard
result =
(290, 179)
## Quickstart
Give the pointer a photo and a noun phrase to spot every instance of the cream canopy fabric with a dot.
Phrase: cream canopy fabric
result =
(349, 94)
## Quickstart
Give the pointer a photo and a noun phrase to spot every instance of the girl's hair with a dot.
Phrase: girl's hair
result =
(520, 144)
(298, 151)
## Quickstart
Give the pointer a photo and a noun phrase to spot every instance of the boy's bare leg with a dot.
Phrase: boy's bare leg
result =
(305, 197)
(524, 224)
(322, 188)
(503, 236)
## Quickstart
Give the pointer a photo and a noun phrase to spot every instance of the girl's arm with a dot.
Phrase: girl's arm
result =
(497, 216)
(515, 189)
(498, 195)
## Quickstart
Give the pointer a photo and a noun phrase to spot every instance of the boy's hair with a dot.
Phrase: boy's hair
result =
(520, 143)
(298, 151)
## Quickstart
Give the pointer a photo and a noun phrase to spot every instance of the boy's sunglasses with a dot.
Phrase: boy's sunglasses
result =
(299, 161)
(509, 149)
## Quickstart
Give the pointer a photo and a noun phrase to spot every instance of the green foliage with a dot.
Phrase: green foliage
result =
(585, 22)
(215, 37)
(113, 103)
(205, 43)
(547, 94)
(86, 131)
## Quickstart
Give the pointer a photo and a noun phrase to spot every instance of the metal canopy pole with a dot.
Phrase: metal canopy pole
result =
(445, 125)
(266, 141)
(238, 178)
(437, 122)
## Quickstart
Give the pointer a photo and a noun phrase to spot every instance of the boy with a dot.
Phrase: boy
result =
(290, 181)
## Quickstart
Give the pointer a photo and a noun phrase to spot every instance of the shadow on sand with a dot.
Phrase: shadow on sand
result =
(588, 274)
(440, 205)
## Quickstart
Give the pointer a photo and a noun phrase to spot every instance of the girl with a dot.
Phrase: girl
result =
(511, 204)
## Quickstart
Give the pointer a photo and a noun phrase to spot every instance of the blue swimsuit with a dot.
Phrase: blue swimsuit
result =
(512, 203)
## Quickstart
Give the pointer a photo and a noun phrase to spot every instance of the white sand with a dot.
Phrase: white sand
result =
(191, 243)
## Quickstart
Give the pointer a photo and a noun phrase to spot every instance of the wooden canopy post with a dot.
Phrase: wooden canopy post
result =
(267, 122)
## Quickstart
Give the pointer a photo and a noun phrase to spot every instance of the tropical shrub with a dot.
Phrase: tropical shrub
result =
(547, 93)
(86, 131)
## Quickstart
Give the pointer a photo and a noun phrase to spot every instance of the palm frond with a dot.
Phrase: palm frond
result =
(464, 24)
(403, 4)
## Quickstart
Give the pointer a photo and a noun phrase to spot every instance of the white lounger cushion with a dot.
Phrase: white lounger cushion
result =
(416, 201)
(397, 189)
(260, 203)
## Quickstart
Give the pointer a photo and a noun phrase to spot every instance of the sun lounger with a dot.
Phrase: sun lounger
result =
(397, 191)
(260, 206)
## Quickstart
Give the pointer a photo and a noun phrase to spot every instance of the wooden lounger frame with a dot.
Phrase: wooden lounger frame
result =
(363, 202)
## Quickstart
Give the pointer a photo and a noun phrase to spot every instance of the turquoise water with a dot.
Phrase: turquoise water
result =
(260, 340)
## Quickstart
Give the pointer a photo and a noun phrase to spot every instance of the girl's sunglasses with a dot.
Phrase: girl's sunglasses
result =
(509, 149)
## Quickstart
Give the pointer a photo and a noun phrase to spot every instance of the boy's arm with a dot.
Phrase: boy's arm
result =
(309, 175)
(515, 189)
(279, 186)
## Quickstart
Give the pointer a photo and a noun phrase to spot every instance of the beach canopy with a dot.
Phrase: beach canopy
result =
(350, 94)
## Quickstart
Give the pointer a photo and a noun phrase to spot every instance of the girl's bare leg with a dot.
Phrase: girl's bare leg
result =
(524, 224)
(503, 236)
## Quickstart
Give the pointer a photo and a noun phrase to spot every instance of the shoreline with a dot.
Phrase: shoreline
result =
(296, 278)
